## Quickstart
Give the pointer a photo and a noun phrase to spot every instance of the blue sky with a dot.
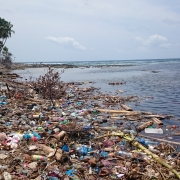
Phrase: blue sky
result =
(85, 30)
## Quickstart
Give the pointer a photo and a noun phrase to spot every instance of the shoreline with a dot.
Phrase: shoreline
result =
(22, 66)
(93, 125)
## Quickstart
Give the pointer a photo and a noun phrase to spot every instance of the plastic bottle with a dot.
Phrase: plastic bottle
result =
(39, 158)
(125, 154)
(151, 143)
(146, 142)
(3, 103)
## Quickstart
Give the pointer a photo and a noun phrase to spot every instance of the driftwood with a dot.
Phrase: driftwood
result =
(157, 116)
(126, 107)
(119, 112)
(138, 145)
(157, 121)
(144, 125)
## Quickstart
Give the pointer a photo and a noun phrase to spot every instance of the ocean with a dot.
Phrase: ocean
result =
(156, 82)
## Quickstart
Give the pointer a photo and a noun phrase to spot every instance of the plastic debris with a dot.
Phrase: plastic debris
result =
(67, 131)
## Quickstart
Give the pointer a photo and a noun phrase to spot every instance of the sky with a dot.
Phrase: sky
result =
(91, 30)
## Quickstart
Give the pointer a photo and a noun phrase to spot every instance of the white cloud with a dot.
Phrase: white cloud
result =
(154, 40)
(66, 42)
(105, 27)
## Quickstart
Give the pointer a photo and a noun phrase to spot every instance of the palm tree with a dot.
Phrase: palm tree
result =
(6, 60)
(5, 32)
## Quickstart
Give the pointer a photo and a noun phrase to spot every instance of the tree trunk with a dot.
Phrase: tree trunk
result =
(1, 48)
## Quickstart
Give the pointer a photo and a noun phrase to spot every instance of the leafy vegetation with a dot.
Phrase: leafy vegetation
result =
(5, 33)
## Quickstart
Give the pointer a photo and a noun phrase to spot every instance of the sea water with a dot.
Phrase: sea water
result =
(155, 82)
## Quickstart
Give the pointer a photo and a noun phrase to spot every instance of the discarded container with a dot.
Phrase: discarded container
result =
(3, 103)
(147, 142)
(154, 130)
(39, 158)
(125, 154)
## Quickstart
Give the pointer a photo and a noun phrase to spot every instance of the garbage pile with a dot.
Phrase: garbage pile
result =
(84, 135)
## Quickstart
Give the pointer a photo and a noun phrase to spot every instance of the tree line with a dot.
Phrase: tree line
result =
(5, 33)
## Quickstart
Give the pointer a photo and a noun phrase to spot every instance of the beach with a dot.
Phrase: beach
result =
(123, 116)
